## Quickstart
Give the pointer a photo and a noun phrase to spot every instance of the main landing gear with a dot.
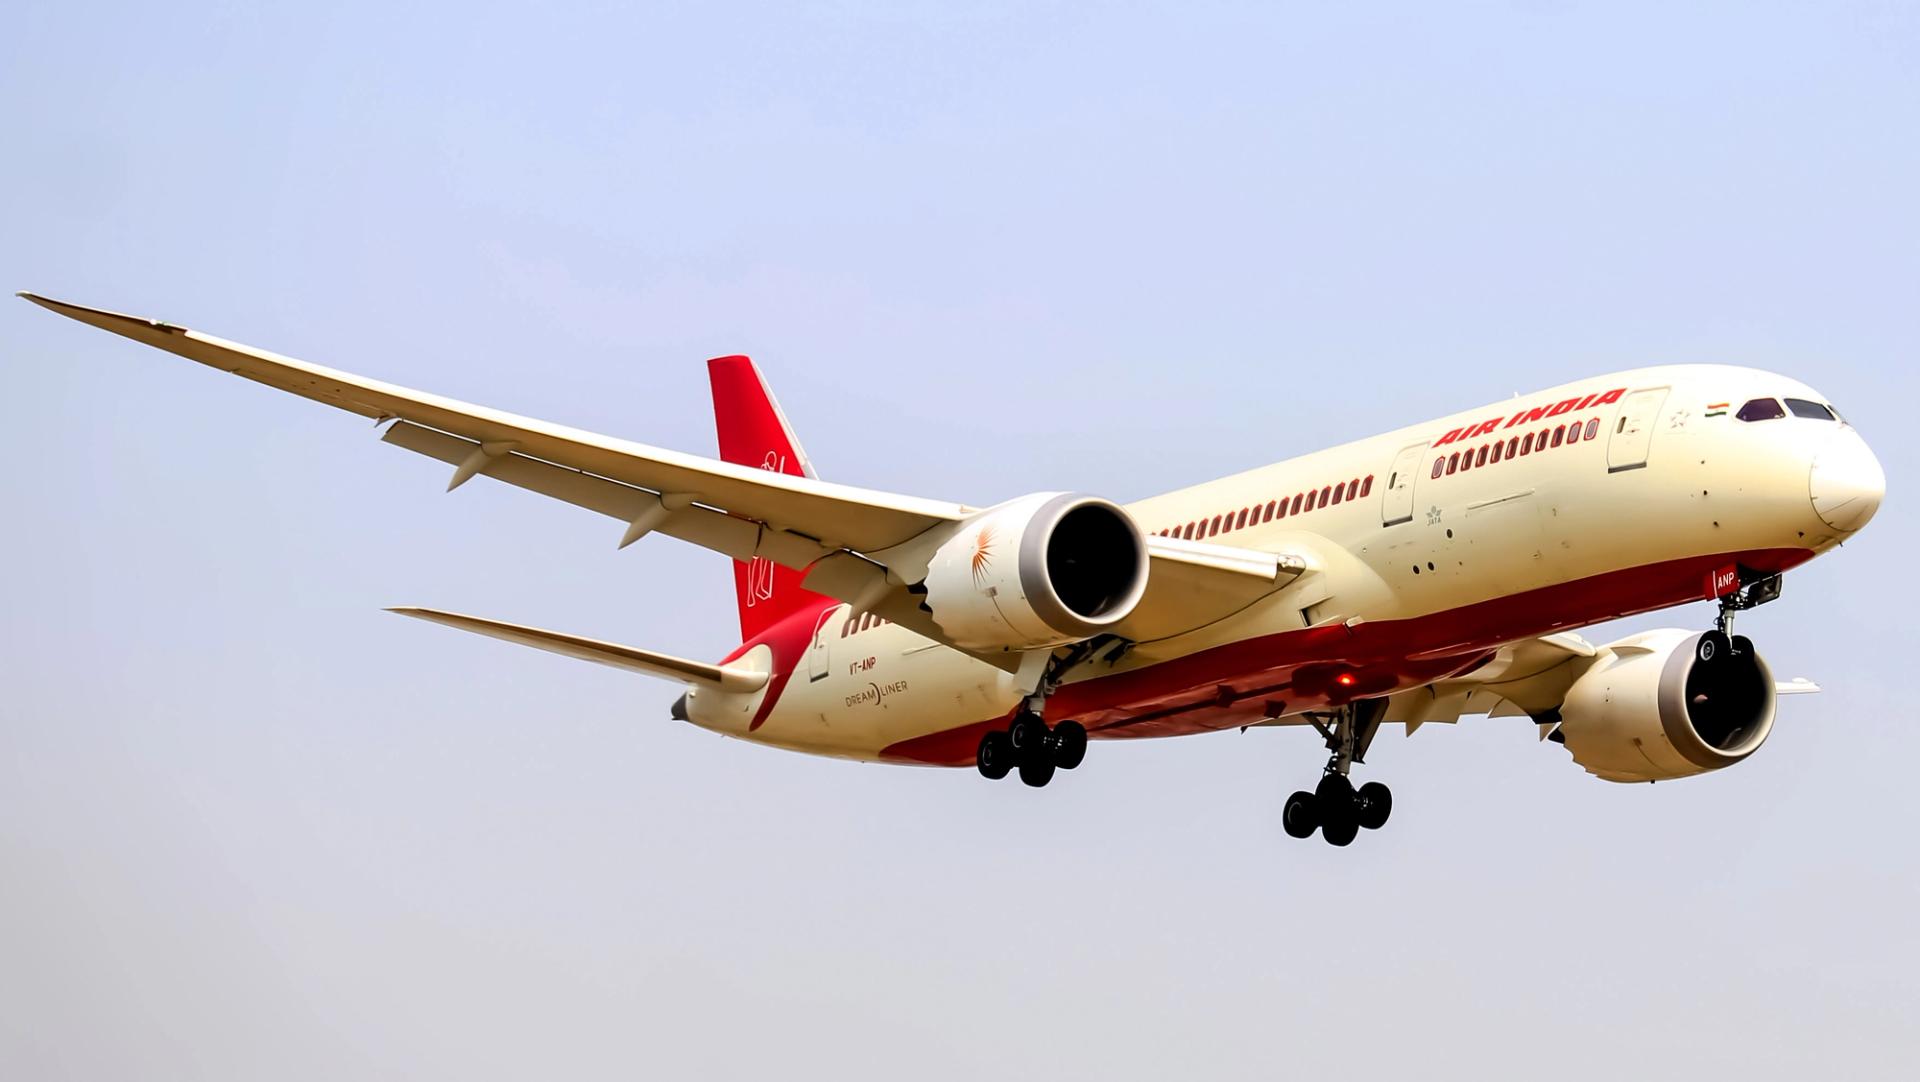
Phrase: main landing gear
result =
(1335, 808)
(1032, 747)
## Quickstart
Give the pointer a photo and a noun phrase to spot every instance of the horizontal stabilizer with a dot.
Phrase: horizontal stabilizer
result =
(722, 677)
(1799, 685)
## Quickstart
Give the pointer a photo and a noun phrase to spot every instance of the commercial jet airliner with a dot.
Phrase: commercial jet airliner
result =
(1409, 578)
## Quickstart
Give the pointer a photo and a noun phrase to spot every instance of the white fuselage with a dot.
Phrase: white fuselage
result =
(1418, 566)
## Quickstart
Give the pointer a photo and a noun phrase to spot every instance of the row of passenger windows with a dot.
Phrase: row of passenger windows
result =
(858, 623)
(1487, 454)
(1767, 409)
(1300, 504)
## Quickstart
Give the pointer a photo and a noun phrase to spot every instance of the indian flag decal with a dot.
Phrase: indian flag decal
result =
(1717, 409)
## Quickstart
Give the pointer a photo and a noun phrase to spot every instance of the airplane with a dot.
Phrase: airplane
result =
(1410, 578)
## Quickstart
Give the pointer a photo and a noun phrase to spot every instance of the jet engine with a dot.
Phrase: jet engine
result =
(1040, 571)
(1668, 704)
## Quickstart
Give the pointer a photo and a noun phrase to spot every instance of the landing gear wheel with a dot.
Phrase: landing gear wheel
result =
(1376, 803)
(1339, 809)
(1036, 767)
(1300, 818)
(1027, 734)
(995, 757)
(1070, 744)
(1713, 646)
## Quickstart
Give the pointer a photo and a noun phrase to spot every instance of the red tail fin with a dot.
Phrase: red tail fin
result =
(753, 432)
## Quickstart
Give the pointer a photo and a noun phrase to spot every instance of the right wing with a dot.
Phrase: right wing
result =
(838, 534)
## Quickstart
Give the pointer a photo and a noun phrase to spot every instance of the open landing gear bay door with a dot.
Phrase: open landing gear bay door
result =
(832, 532)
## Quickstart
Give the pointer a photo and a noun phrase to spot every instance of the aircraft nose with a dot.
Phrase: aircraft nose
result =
(1846, 482)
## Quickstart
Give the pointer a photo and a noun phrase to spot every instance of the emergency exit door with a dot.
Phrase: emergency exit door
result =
(1633, 430)
(1397, 505)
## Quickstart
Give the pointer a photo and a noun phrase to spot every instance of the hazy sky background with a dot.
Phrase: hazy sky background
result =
(251, 826)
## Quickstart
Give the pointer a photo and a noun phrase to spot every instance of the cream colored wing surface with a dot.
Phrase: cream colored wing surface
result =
(1193, 584)
(829, 531)
(1525, 678)
(731, 678)
(835, 515)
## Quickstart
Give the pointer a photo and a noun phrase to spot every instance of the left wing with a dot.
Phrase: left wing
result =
(1528, 678)
(839, 535)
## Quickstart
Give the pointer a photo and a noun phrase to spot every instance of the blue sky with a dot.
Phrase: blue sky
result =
(250, 824)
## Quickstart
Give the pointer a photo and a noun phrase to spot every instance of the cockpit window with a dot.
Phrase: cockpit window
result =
(1761, 409)
(1800, 407)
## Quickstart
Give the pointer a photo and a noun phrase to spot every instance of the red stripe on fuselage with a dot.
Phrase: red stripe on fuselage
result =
(1231, 685)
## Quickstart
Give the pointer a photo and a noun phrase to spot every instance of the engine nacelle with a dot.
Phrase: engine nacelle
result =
(1040, 571)
(1652, 708)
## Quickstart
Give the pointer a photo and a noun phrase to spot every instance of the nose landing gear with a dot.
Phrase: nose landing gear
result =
(1033, 748)
(1335, 808)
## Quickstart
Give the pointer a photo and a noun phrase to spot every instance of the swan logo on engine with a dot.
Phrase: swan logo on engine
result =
(876, 694)
(982, 560)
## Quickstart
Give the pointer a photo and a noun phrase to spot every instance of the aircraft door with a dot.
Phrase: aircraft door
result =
(819, 663)
(1398, 499)
(1633, 430)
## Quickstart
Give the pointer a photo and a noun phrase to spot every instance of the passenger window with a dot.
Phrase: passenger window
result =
(1366, 486)
(1559, 433)
(1800, 407)
(1339, 493)
(1453, 463)
(1513, 446)
(1761, 409)
(1439, 465)
(1296, 503)
(1593, 428)
(1353, 489)
(1186, 532)
(1215, 528)
(1480, 458)
(1495, 457)
(1241, 524)
(1324, 493)
(1270, 506)
(1526, 444)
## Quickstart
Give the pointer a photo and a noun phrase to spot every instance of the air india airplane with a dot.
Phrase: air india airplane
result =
(1410, 578)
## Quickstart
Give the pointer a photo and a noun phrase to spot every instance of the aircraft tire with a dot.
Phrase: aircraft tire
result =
(1375, 804)
(1300, 818)
(995, 757)
(1713, 646)
(1070, 744)
(1027, 733)
(1339, 809)
(1037, 769)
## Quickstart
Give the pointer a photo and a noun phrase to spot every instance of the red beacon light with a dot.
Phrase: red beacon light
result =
(1345, 679)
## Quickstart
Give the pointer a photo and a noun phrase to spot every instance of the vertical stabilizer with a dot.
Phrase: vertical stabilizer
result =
(754, 432)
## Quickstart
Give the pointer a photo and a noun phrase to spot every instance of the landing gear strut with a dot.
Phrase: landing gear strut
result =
(1032, 747)
(1335, 808)
(1720, 643)
(1028, 744)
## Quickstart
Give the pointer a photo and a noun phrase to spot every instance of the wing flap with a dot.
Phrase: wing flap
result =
(723, 677)
(1192, 584)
